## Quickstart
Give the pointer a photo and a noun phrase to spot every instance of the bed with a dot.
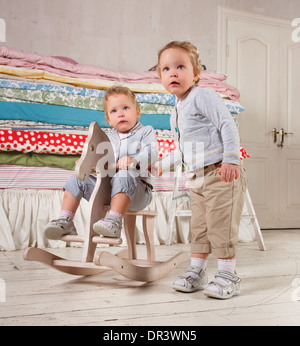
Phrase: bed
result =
(46, 106)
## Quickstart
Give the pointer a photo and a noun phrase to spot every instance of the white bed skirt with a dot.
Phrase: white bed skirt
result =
(25, 213)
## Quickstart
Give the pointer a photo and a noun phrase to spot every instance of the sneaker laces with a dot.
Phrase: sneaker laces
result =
(111, 221)
(62, 219)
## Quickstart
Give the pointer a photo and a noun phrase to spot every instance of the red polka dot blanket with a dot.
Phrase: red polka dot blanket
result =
(44, 142)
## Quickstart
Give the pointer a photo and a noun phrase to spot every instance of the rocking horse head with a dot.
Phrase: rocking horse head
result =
(97, 155)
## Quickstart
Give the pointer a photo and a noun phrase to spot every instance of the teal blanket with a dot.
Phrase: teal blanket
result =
(62, 115)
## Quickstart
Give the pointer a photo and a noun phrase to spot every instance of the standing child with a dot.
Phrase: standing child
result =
(134, 145)
(218, 184)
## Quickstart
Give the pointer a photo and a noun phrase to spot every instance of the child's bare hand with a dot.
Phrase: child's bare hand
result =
(156, 169)
(126, 162)
(229, 172)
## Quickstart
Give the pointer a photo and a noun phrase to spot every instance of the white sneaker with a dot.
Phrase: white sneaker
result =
(225, 285)
(55, 229)
(193, 279)
(110, 226)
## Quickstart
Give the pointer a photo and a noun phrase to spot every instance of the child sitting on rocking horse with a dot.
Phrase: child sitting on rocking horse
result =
(135, 148)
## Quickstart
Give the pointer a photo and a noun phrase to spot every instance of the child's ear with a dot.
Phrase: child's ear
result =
(107, 119)
(196, 76)
(138, 112)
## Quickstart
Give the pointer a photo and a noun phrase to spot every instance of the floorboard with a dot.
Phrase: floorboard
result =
(39, 295)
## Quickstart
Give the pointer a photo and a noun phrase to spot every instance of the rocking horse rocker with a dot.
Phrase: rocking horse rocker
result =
(125, 262)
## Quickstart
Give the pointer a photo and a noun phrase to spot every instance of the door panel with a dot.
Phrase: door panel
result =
(264, 64)
(252, 75)
(289, 119)
(250, 65)
(293, 94)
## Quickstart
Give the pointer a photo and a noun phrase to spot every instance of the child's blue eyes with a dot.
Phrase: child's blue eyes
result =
(180, 67)
(125, 109)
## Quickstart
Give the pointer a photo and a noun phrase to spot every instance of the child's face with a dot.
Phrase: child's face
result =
(122, 112)
(177, 73)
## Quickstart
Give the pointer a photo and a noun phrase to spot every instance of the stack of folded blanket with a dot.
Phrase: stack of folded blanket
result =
(55, 97)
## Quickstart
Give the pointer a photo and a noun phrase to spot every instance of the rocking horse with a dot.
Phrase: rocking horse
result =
(98, 153)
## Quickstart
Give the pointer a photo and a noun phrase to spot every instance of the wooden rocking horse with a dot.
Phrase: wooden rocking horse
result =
(125, 262)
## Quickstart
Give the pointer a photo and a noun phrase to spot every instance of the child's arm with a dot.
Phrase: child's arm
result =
(213, 107)
(148, 152)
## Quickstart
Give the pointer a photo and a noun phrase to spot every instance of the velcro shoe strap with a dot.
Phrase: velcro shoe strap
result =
(229, 276)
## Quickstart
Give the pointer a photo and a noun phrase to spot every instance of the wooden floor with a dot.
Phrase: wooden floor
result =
(39, 295)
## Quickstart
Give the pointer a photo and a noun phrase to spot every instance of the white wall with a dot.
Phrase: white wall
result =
(123, 35)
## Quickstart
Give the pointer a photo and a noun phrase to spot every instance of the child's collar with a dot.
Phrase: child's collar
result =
(184, 100)
(136, 127)
(186, 94)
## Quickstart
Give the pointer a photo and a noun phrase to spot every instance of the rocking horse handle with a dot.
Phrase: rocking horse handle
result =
(89, 158)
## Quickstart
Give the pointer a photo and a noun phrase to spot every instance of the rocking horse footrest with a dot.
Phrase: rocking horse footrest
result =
(106, 240)
(95, 239)
(73, 238)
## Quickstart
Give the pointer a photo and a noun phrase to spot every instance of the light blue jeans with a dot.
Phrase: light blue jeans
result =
(139, 193)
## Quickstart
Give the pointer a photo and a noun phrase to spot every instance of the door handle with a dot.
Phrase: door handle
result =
(274, 133)
(282, 133)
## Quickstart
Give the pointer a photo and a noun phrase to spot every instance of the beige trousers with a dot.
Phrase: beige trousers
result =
(216, 212)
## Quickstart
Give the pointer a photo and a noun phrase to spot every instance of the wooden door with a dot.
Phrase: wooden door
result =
(263, 62)
(289, 121)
